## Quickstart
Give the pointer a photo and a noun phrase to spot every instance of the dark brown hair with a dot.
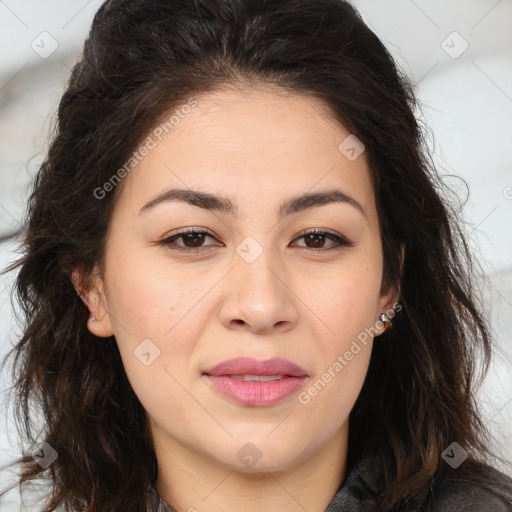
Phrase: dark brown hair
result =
(141, 60)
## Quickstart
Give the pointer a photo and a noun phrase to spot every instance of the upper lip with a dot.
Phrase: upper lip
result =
(249, 366)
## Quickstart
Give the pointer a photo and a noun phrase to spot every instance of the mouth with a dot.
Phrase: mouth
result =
(249, 367)
(256, 383)
(258, 378)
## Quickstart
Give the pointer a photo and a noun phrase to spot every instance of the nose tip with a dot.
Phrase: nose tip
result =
(257, 297)
(255, 326)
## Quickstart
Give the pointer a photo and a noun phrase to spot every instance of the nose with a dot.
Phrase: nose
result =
(258, 296)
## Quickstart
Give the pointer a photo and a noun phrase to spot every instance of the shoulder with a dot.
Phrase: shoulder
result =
(471, 497)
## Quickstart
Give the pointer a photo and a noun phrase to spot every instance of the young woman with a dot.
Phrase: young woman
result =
(243, 289)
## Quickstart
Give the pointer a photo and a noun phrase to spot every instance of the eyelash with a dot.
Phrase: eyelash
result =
(340, 242)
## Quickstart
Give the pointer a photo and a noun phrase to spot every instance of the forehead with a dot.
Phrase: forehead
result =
(258, 143)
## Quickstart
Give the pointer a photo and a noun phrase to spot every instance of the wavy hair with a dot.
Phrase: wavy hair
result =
(143, 59)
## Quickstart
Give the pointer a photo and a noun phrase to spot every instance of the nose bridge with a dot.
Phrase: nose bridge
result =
(257, 293)
(256, 267)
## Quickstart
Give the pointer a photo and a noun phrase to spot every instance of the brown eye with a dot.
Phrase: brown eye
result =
(196, 239)
(316, 239)
(191, 239)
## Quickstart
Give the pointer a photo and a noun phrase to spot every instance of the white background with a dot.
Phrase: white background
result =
(466, 99)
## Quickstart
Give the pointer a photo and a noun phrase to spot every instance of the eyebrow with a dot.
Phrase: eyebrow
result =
(221, 204)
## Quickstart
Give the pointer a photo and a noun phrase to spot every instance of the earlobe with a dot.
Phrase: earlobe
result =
(387, 310)
(385, 321)
(389, 303)
(93, 296)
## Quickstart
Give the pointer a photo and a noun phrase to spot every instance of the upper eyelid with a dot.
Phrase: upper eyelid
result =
(301, 234)
(187, 231)
(306, 231)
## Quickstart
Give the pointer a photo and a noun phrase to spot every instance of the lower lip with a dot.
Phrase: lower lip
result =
(256, 394)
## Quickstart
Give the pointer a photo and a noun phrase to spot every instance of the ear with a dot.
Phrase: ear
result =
(93, 296)
(389, 299)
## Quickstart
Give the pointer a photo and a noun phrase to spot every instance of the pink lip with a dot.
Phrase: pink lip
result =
(249, 366)
(256, 393)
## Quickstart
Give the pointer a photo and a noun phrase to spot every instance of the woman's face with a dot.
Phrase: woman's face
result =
(253, 285)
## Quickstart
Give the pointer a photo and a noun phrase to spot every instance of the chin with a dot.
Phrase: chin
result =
(262, 456)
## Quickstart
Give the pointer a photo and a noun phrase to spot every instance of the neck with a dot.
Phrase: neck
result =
(191, 482)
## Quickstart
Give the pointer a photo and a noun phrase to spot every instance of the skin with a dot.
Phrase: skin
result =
(297, 300)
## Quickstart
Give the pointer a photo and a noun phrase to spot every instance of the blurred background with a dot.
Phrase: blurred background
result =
(458, 53)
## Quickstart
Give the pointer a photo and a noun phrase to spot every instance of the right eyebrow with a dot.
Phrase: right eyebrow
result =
(222, 204)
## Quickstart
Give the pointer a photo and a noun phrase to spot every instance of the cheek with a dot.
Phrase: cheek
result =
(344, 301)
(347, 304)
(165, 390)
(156, 324)
(148, 303)
(333, 391)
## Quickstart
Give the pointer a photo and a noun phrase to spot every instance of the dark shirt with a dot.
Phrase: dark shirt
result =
(358, 493)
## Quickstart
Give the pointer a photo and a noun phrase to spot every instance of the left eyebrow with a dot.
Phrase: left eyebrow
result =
(214, 202)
